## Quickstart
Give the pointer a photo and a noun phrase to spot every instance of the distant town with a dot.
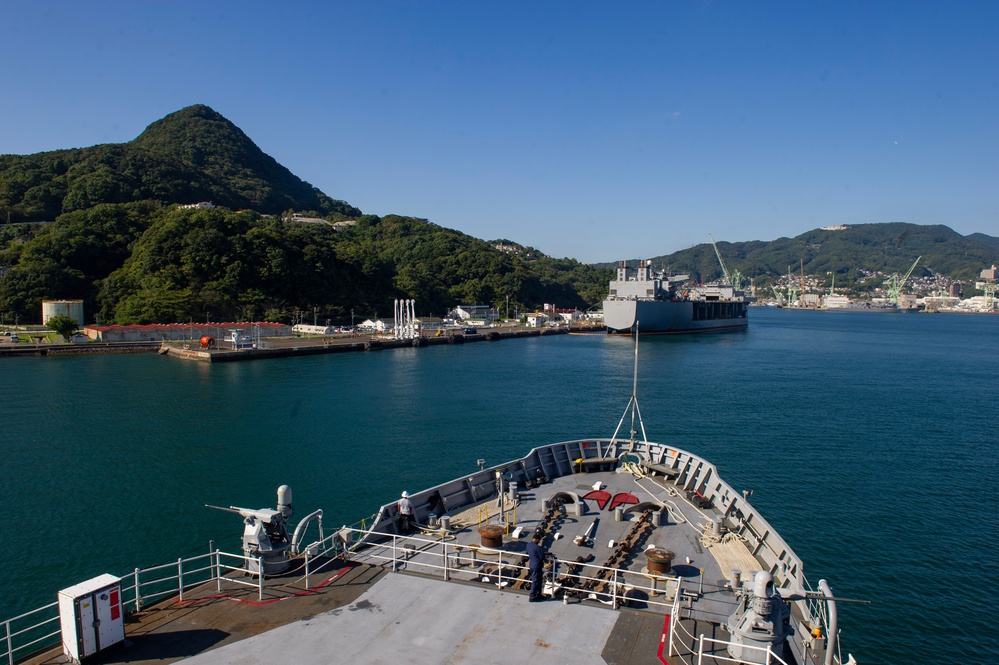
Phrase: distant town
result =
(930, 293)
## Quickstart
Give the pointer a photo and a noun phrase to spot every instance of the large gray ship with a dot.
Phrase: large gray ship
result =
(665, 304)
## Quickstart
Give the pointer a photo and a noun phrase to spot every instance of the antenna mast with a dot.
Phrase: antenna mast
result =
(632, 404)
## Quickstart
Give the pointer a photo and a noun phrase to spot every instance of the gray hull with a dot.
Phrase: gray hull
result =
(668, 317)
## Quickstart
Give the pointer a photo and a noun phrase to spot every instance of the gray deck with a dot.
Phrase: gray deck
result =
(679, 532)
(409, 619)
(364, 615)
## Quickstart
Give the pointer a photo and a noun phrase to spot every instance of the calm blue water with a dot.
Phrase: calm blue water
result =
(869, 439)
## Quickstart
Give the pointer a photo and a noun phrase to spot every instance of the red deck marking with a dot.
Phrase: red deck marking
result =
(662, 642)
(258, 603)
(622, 498)
(600, 496)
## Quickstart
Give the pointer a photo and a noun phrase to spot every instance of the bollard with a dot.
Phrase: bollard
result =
(733, 578)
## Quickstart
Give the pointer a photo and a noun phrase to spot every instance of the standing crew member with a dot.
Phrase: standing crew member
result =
(405, 512)
(536, 563)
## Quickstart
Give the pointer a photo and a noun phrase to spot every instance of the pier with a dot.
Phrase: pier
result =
(297, 346)
(282, 347)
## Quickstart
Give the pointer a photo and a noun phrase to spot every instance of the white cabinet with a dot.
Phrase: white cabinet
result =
(91, 617)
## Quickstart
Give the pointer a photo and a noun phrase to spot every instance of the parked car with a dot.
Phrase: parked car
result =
(469, 331)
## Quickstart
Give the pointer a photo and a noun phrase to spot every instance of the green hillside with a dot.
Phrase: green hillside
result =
(145, 263)
(192, 155)
(890, 247)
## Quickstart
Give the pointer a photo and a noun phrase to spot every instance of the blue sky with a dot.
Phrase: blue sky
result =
(599, 131)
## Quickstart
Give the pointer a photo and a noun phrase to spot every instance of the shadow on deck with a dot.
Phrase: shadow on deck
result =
(206, 619)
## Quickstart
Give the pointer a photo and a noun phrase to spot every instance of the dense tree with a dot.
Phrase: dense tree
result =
(62, 324)
(142, 263)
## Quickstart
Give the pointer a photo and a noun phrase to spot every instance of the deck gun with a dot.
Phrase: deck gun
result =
(265, 534)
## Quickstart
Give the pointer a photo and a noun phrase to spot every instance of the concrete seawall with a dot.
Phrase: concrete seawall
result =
(91, 348)
(278, 347)
(284, 348)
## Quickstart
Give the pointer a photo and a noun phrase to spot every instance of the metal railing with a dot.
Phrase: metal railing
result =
(39, 629)
(443, 557)
(24, 635)
(701, 641)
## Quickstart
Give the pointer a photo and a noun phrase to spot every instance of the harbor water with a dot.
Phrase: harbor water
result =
(869, 440)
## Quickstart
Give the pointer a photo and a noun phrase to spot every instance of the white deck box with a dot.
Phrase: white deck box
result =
(91, 616)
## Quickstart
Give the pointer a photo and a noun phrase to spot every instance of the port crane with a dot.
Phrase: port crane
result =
(988, 286)
(793, 292)
(895, 284)
(725, 273)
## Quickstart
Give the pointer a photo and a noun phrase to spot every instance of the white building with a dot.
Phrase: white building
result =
(377, 325)
(835, 301)
(474, 313)
(537, 320)
(306, 329)
(569, 315)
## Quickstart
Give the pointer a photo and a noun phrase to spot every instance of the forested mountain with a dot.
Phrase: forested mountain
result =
(145, 263)
(121, 242)
(189, 156)
(889, 247)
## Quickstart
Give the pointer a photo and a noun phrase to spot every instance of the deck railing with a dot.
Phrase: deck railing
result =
(443, 557)
(39, 629)
(30, 632)
(771, 657)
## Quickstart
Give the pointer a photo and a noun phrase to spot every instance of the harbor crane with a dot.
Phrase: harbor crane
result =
(987, 283)
(895, 284)
(725, 273)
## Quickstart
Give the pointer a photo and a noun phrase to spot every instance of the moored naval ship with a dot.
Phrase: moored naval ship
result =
(665, 304)
(650, 557)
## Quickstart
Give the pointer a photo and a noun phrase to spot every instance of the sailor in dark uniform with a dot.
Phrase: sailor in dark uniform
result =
(536, 563)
